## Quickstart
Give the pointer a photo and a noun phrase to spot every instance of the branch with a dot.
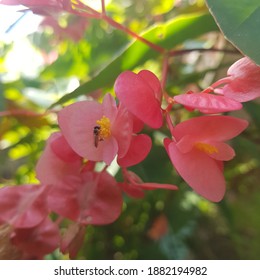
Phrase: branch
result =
(117, 25)
(182, 52)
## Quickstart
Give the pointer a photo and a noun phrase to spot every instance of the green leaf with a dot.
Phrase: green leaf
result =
(167, 35)
(240, 23)
(162, 7)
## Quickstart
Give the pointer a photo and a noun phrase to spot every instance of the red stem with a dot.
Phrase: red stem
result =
(170, 124)
(95, 14)
(133, 34)
(103, 7)
(119, 26)
(21, 112)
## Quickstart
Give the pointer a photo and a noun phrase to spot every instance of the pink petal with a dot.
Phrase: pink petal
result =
(104, 201)
(72, 240)
(186, 143)
(77, 122)
(139, 149)
(110, 150)
(138, 125)
(109, 107)
(201, 172)
(53, 168)
(224, 151)
(95, 200)
(138, 97)
(210, 128)
(29, 2)
(63, 200)
(245, 85)
(122, 130)
(153, 82)
(39, 240)
(61, 148)
(208, 103)
(243, 68)
(23, 206)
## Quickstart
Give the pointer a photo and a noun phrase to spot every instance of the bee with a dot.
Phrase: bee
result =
(97, 138)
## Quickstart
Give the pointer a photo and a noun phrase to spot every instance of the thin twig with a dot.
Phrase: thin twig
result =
(119, 26)
(103, 7)
(182, 52)
(164, 70)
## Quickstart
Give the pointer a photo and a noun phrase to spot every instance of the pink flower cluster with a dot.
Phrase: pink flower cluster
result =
(50, 9)
(42, 7)
(70, 187)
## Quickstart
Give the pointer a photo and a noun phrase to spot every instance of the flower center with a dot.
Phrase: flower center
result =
(207, 148)
(104, 124)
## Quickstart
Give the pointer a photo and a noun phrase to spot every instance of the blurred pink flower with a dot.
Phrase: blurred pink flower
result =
(38, 241)
(197, 151)
(74, 30)
(23, 206)
(243, 81)
(25, 209)
(72, 239)
(43, 7)
(76, 191)
(141, 94)
(95, 199)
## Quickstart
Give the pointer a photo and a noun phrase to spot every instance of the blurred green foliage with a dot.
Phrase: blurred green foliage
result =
(165, 224)
(240, 24)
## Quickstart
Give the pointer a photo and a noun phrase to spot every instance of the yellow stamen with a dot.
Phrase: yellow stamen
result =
(207, 148)
(104, 124)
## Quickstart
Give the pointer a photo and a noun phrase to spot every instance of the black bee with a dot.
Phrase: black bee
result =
(96, 132)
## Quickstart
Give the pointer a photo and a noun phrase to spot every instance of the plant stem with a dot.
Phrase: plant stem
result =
(133, 34)
(103, 7)
(164, 70)
(182, 52)
(118, 25)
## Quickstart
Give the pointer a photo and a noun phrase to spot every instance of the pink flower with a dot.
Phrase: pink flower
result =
(141, 94)
(76, 191)
(243, 83)
(75, 29)
(43, 7)
(208, 103)
(23, 206)
(95, 199)
(38, 241)
(198, 151)
(96, 131)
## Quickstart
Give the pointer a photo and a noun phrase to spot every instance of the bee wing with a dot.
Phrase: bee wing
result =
(96, 140)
